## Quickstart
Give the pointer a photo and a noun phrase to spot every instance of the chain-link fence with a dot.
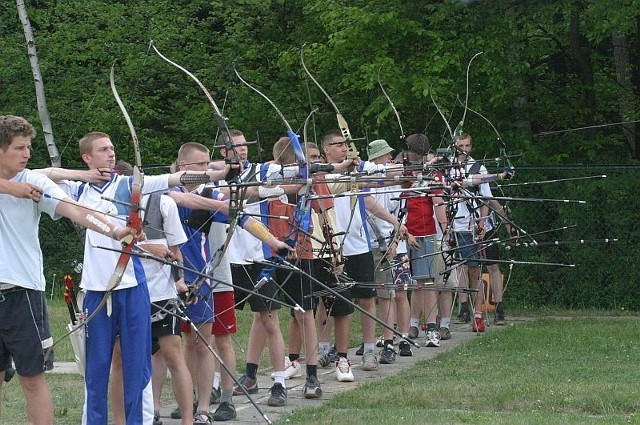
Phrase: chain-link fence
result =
(606, 272)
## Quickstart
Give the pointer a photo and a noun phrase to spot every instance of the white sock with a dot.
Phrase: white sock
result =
(278, 378)
(216, 380)
(414, 322)
(445, 322)
(368, 346)
(325, 347)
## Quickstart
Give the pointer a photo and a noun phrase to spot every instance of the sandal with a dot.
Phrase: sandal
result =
(202, 418)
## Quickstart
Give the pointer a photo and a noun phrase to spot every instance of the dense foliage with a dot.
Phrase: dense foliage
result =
(545, 66)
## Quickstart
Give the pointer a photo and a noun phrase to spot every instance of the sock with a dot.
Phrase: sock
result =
(226, 395)
(414, 322)
(342, 355)
(445, 322)
(312, 370)
(388, 342)
(464, 306)
(216, 380)
(278, 378)
(477, 314)
(324, 347)
(252, 370)
(368, 346)
(294, 357)
(431, 326)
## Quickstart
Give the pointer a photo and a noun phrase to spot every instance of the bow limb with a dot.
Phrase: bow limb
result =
(293, 137)
(342, 123)
(458, 131)
(352, 152)
(221, 120)
(133, 220)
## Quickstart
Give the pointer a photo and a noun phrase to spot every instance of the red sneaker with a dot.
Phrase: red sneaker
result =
(478, 325)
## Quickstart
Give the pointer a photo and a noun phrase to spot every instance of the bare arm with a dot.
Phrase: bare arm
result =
(197, 202)
(92, 220)
(20, 189)
(379, 211)
(95, 176)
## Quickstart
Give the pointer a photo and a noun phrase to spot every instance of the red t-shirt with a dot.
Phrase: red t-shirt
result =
(420, 221)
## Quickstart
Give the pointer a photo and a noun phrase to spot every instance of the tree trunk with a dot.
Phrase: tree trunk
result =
(43, 112)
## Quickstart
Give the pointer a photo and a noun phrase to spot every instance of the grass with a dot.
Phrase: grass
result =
(546, 372)
(579, 367)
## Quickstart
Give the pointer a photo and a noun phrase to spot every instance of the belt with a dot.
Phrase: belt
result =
(8, 287)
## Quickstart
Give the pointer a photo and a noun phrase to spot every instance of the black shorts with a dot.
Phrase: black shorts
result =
(24, 331)
(490, 252)
(167, 325)
(298, 287)
(360, 268)
(246, 276)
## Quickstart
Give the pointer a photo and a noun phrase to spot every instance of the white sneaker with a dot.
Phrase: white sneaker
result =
(369, 361)
(343, 370)
(433, 338)
(291, 369)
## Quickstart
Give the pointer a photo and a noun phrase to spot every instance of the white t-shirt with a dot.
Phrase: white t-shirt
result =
(462, 222)
(21, 261)
(355, 240)
(222, 273)
(99, 264)
(244, 245)
(159, 278)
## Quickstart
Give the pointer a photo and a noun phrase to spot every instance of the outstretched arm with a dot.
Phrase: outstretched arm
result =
(92, 220)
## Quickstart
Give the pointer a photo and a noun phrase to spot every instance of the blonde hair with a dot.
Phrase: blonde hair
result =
(86, 143)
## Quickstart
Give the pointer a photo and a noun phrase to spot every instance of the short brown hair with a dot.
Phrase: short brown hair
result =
(189, 147)
(283, 152)
(86, 143)
(418, 143)
(12, 126)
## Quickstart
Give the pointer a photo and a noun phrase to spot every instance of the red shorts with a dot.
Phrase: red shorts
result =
(224, 309)
(224, 315)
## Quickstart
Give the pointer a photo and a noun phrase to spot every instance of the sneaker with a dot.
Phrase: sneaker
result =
(463, 317)
(405, 349)
(413, 332)
(369, 361)
(445, 333)
(202, 418)
(249, 384)
(343, 370)
(423, 326)
(278, 397)
(214, 398)
(478, 325)
(360, 350)
(225, 412)
(292, 369)
(388, 355)
(312, 388)
(433, 338)
(326, 359)
(156, 418)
